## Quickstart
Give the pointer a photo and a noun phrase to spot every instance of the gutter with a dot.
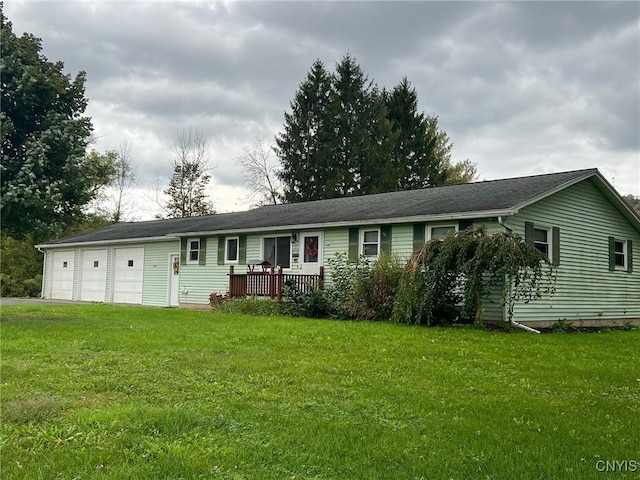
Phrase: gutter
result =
(351, 223)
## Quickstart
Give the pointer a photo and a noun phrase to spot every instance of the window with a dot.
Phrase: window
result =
(231, 250)
(130, 263)
(541, 240)
(370, 242)
(96, 264)
(620, 254)
(193, 250)
(440, 231)
(277, 251)
(65, 264)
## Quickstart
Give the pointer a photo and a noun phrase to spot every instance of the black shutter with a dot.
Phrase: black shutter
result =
(629, 256)
(385, 239)
(555, 246)
(612, 253)
(242, 249)
(354, 236)
(418, 236)
(202, 254)
(183, 250)
(221, 242)
(528, 232)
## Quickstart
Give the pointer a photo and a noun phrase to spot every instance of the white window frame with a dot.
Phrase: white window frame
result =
(430, 228)
(226, 250)
(624, 254)
(189, 250)
(549, 242)
(276, 236)
(362, 244)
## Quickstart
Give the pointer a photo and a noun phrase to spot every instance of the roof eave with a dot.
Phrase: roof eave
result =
(352, 223)
(97, 243)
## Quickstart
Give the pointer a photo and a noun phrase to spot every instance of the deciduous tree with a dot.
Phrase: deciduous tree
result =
(47, 179)
(260, 169)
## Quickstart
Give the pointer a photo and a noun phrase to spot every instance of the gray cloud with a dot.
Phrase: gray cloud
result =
(520, 87)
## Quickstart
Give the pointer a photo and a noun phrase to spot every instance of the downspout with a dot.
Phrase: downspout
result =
(512, 322)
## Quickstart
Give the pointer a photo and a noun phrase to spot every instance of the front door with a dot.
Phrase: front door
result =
(311, 253)
(174, 279)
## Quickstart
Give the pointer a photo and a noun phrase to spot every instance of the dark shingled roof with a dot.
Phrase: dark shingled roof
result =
(468, 198)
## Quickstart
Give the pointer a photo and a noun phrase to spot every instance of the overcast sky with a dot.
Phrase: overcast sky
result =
(521, 88)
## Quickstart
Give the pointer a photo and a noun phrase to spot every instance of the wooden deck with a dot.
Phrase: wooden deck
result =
(271, 283)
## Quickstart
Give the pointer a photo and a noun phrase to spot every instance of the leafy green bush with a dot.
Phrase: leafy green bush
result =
(21, 268)
(313, 304)
(364, 289)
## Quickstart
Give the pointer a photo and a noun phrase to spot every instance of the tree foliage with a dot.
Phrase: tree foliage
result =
(186, 190)
(47, 180)
(633, 202)
(447, 280)
(346, 137)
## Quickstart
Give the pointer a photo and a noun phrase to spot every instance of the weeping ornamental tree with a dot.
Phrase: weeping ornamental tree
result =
(447, 280)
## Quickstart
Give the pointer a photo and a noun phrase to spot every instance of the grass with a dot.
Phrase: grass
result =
(112, 392)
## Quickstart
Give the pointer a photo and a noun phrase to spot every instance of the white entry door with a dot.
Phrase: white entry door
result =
(62, 275)
(174, 279)
(127, 275)
(310, 252)
(93, 275)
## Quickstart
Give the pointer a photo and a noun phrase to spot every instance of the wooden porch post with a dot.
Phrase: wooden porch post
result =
(280, 282)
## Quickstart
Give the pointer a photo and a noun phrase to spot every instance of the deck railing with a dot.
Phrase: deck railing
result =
(271, 283)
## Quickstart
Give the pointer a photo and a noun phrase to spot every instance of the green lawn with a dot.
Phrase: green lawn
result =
(125, 393)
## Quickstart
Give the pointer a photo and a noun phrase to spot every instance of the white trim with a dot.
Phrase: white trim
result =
(361, 242)
(549, 242)
(226, 250)
(189, 250)
(429, 232)
(357, 223)
(624, 252)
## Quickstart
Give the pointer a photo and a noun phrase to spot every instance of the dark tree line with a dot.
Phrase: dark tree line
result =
(344, 136)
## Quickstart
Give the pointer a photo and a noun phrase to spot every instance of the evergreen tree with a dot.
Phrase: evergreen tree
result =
(345, 137)
(47, 179)
(362, 134)
(304, 148)
(421, 151)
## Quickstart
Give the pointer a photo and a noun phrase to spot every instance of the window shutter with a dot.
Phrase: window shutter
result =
(354, 235)
(418, 236)
(612, 253)
(528, 232)
(202, 254)
(385, 239)
(221, 241)
(629, 256)
(464, 224)
(242, 249)
(183, 250)
(555, 246)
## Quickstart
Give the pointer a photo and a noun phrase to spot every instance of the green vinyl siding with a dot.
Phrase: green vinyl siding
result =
(585, 287)
(155, 281)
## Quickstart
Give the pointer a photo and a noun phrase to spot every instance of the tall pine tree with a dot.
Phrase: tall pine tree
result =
(304, 148)
(345, 137)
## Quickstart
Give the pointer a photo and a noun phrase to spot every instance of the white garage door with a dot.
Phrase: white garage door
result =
(127, 275)
(93, 275)
(62, 275)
